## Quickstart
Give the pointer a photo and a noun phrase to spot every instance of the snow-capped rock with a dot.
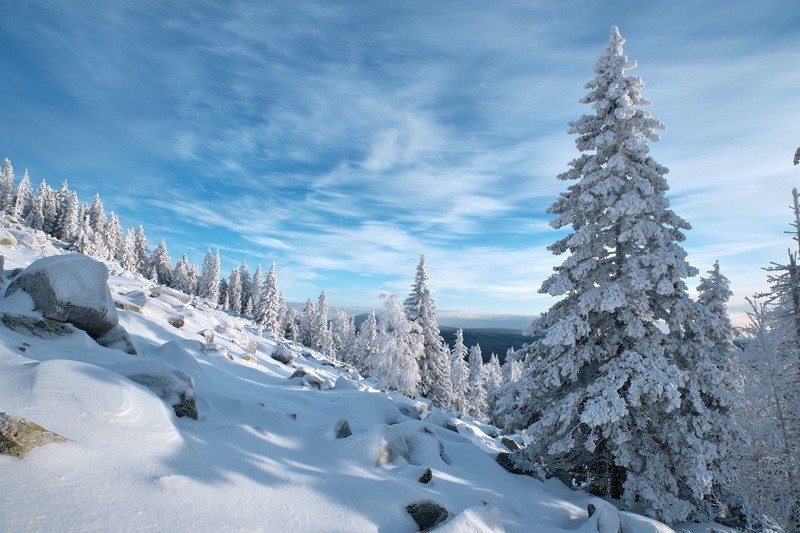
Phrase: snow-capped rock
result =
(70, 288)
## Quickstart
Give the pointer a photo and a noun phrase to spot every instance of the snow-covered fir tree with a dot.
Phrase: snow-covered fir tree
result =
(256, 295)
(142, 251)
(308, 324)
(476, 395)
(366, 343)
(114, 237)
(97, 215)
(180, 275)
(35, 216)
(128, 260)
(459, 374)
(323, 342)
(604, 389)
(24, 198)
(434, 365)
(247, 285)
(67, 220)
(395, 364)
(235, 290)
(194, 276)
(493, 373)
(7, 187)
(161, 264)
(784, 280)
(768, 463)
(84, 240)
(291, 324)
(208, 284)
(49, 208)
(270, 301)
(343, 335)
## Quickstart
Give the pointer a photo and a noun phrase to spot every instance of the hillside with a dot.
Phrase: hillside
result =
(268, 451)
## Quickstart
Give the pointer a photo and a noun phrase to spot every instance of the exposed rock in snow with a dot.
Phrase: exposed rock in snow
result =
(6, 239)
(284, 354)
(70, 288)
(168, 383)
(43, 328)
(426, 476)
(427, 514)
(393, 446)
(19, 436)
(127, 306)
(117, 339)
(208, 335)
(343, 429)
(250, 358)
(178, 295)
(511, 444)
(308, 376)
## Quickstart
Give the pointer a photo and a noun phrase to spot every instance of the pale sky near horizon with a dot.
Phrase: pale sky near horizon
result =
(343, 139)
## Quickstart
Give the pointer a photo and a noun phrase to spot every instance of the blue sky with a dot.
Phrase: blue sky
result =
(343, 139)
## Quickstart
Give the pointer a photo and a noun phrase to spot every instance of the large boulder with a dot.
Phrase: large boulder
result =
(427, 514)
(70, 288)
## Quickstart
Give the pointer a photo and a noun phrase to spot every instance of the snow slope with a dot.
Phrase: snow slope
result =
(263, 455)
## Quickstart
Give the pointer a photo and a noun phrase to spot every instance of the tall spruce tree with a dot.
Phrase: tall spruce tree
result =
(235, 290)
(459, 374)
(24, 198)
(209, 278)
(142, 251)
(162, 264)
(434, 365)
(476, 395)
(605, 387)
(7, 187)
(399, 346)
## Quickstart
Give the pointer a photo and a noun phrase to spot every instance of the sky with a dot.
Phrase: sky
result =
(344, 139)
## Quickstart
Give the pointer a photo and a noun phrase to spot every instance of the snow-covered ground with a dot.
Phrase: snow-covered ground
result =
(263, 454)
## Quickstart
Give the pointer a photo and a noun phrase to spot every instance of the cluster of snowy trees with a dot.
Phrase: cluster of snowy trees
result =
(86, 229)
(767, 480)
(404, 350)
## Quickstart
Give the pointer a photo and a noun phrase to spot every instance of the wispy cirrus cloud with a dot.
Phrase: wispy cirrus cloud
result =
(343, 140)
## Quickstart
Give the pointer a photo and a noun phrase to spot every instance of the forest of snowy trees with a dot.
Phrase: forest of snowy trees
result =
(631, 390)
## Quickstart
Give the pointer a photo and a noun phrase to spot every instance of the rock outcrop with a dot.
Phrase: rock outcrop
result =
(19, 436)
(70, 288)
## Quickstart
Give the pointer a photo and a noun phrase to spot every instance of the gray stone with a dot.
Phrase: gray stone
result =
(511, 444)
(127, 306)
(427, 514)
(173, 386)
(409, 410)
(426, 476)
(284, 354)
(208, 334)
(393, 447)
(167, 291)
(506, 460)
(18, 436)
(343, 429)
(117, 339)
(43, 328)
(70, 288)
(176, 321)
(308, 376)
